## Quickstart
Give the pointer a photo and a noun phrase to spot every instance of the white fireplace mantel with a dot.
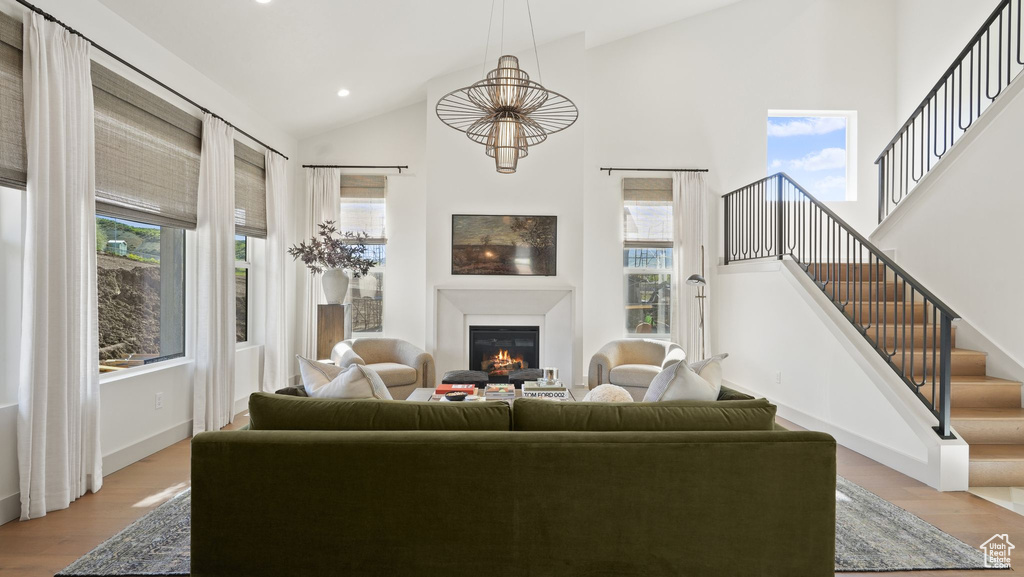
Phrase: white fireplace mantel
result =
(551, 307)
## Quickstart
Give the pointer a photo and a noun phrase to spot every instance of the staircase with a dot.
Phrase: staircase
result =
(985, 411)
(909, 327)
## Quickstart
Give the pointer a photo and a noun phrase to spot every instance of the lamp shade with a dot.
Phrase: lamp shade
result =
(696, 280)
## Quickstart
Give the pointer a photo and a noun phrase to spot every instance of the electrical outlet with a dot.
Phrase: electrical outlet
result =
(159, 401)
(778, 377)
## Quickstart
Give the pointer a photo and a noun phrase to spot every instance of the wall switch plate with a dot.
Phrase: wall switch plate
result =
(778, 377)
(159, 401)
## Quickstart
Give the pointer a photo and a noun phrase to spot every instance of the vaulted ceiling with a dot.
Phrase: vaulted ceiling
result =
(289, 58)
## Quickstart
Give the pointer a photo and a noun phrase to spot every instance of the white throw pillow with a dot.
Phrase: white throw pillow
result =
(316, 374)
(608, 394)
(352, 382)
(710, 369)
(679, 383)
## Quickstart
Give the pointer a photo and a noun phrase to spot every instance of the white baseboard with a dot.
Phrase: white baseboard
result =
(896, 460)
(10, 508)
(241, 405)
(125, 456)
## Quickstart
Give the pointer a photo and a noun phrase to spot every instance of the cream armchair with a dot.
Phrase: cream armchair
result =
(632, 364)
(402, 366)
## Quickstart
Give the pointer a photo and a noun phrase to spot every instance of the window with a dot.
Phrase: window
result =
(140, 273)
(647, 255)
(364, 210)
(816, 150)
(241, 289)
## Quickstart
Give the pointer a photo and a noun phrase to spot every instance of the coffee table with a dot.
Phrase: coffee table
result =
(424, 394)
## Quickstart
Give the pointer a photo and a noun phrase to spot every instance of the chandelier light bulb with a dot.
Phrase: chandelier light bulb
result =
(506, 143)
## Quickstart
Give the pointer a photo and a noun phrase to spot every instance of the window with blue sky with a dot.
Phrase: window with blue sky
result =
(813, 150)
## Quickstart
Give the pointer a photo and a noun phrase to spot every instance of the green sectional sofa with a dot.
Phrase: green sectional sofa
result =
(477, 489)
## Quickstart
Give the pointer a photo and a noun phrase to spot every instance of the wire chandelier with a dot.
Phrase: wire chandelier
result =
(506, 111)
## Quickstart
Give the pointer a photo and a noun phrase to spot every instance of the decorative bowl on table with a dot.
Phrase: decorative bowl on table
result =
(455, 396)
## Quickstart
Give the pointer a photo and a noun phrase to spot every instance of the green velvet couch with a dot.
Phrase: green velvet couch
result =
(506, 499)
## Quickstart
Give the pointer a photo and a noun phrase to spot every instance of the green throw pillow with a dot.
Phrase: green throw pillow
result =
(542, 415)
(727, 394)
(280, 412)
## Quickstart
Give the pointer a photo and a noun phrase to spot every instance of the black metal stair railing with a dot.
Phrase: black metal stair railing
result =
(905, 323)
(979, 74)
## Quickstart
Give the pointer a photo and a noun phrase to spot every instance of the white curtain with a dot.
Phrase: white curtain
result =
(690, 239)
(58, 391)
(275, 347)
(214, 391)
(323, 189)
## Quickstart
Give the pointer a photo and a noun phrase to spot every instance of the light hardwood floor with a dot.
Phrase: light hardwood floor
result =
(45, 546)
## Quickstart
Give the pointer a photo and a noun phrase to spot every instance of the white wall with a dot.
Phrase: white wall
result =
(692, 93)
(790, 344)
(131, 427)
(397, 138)
(931, 34)
(462, 180)
(696, 93)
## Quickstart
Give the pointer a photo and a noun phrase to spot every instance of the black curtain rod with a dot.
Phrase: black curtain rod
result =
(405, 166)
(204, 109)
(654, 170)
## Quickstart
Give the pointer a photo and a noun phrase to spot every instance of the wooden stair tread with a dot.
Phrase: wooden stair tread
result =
(986, 414)
(895, 326)
(954, 351)
(997, 452)
(980, 380)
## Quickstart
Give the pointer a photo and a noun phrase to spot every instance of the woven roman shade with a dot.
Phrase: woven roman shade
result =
(12, 105)
(147, 154)
(363, 206)
(647, 211)
(250, 192)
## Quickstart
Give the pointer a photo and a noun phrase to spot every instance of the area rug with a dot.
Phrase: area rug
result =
(872, 535)
(156, 544)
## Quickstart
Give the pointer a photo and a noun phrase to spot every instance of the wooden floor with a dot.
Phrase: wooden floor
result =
(42, 547)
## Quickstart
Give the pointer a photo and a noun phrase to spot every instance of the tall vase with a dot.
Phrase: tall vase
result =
(335, 282)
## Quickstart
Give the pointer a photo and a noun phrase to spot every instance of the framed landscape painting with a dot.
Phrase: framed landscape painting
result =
(504, 245)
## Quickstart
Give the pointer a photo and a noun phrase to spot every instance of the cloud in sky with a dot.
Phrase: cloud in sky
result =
(827, 159)
(776, 163)
(805, 126)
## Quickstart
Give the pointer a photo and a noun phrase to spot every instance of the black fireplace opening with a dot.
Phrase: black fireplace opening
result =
(499, 350)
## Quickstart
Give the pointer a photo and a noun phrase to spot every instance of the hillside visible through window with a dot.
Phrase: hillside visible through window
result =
(140, 292)
(241, 288)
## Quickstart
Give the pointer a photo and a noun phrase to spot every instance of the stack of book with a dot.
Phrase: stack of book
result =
(450, 388)
(545, 390)
(500, 392)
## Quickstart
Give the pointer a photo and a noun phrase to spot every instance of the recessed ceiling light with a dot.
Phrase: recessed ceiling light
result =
(263, 1)
(343, 92)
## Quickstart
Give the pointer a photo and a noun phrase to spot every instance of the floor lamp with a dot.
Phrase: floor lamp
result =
(698, 281)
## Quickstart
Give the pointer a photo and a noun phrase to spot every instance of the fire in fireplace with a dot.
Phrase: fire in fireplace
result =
(499, 350)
